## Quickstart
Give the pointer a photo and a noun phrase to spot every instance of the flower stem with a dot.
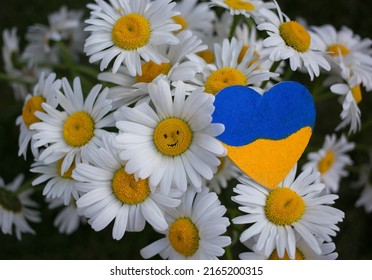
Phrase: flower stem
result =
(26, 185)
(325, 96)
(288, 74)
(8, 78)
(234, 24)
(229, 255)
(273, 68)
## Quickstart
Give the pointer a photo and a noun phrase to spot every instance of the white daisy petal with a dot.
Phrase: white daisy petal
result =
(330, 161)
(106, 42)
(274, 224)
(173, 143)
(16, 214)
(154, 248)
(110, 193)
(120, 224)
(154, 215)
(105, 216)
(182, 225)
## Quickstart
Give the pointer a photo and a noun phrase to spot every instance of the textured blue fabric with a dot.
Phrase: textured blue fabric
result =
(248, 116)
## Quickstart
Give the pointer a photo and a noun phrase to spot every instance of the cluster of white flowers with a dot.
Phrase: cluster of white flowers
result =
(144, 148)
(44, 49)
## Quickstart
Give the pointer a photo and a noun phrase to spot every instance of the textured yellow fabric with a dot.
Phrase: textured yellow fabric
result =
(269, 161)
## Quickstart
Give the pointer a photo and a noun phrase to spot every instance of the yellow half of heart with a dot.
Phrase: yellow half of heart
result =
(268, 161)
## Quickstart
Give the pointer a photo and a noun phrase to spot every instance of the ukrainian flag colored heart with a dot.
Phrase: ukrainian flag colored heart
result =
(265, 135)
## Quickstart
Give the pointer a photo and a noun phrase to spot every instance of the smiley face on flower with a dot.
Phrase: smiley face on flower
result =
(172, 136)
(172, 143)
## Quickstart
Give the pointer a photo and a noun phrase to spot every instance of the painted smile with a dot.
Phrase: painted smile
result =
(173, 145)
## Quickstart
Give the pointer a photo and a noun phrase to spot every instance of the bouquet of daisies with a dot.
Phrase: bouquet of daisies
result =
(118, 120)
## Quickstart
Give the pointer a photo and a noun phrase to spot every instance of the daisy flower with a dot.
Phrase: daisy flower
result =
(228, 71)
(97, 8)
(72, 133)
(59, 185)
(67, 26)
(10, 50)
(10, 47)
(295, 205)
(290, 40)
(248, 8)
(347, 51)
(331, 161)
(130, 33)
(173, 144)
(365, 198)
(195, 229)
(39, 48)
(221, 30)
(226, 171)
(110, 193)
(63, 26)
(68, 219)
(44, 91)
(129, 90)
(16, 208)
(303, 251)
(194, 16)
(251, 40)
(14, 67)
(365, 181)
(351, 96)
(249, 37)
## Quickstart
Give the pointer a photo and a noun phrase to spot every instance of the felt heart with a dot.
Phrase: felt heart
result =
(265, 135)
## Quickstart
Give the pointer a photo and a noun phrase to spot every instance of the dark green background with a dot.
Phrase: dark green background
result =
(354, 240)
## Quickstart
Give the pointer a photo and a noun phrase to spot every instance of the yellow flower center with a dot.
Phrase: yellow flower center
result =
(357, 93)
(32, 105)
(284, 206)
(298, 255)
(127, 189)
(337, 49)
(207, 55)
(172, 136)
(240, 5)
(327, 162)
(68, 173)
(295, 36)
(181, 21)
(224, 77)
(131, 32)
(150, 70)
(184, 237)
(78, 129)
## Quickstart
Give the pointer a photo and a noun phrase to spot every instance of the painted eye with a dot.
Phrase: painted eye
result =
(178, 132)
(165, 136)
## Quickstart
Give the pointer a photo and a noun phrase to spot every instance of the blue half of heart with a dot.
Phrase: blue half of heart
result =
(248, 116)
